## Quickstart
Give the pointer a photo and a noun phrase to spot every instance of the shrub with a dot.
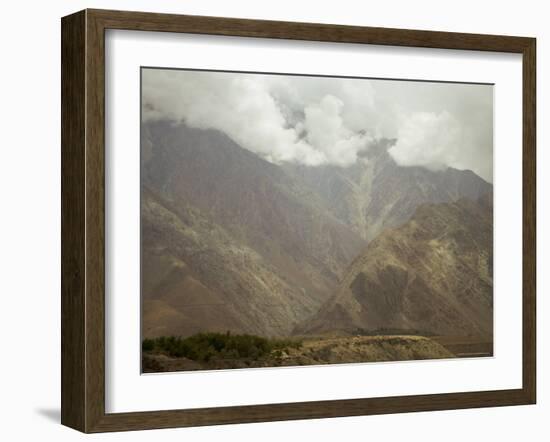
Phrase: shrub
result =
(207, 346)
(148, 345)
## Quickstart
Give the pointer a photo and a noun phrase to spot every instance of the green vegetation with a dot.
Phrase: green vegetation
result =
(204, 347)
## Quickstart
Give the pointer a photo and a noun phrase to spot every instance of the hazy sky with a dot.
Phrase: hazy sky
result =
(314, 120)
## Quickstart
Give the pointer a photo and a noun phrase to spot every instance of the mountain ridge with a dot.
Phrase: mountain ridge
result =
(376, 193)
(231, 242)
(433, 273)
(196, 275)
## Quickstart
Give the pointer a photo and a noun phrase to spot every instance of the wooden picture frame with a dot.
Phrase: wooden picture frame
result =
(83, 220)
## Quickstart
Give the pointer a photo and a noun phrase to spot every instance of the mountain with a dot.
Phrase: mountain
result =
(432, 274)
(376, 193)
(233, 242)
(197, 277)
(263, 214)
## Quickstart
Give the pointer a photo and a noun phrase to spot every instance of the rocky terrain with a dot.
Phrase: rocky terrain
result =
(241, 213)
(197, 277)
(232, 242)
(375, 193)
(316, 351)
(433, 273)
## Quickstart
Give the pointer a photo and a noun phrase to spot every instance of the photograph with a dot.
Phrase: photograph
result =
(249, 221)
(292, 220)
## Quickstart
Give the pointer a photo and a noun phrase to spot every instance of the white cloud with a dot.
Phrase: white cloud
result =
(440, 125)
(237, 105)
(428, 139)
(281, 118)
(326, 130)
(321, 120)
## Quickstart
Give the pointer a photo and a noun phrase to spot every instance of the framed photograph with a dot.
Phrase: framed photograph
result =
(267, 220)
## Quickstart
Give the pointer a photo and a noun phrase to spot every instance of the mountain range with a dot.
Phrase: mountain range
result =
(231, 241)
(432, 274)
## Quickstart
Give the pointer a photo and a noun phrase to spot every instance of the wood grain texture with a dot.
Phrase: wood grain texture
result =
(529, 221)
(83, 220)
(73, 128)
(144, 21)
(95, 222)
(308, 410)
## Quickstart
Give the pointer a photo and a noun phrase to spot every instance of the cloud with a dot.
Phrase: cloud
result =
(428, 139)
(326, 130)
(439, 140)
(308, 121)
(237, 105)
(318, 120)
(440, 125)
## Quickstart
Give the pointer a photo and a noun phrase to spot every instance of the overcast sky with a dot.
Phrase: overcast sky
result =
(315, 120)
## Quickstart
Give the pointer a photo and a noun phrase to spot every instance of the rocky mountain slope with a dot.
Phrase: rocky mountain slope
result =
(268, 220)
(376, 193)
(197, 277)
(233, 242)
(433, 273)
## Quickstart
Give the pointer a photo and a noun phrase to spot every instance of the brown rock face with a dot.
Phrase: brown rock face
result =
(196, 277)
(432, 274)
(257, 246)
